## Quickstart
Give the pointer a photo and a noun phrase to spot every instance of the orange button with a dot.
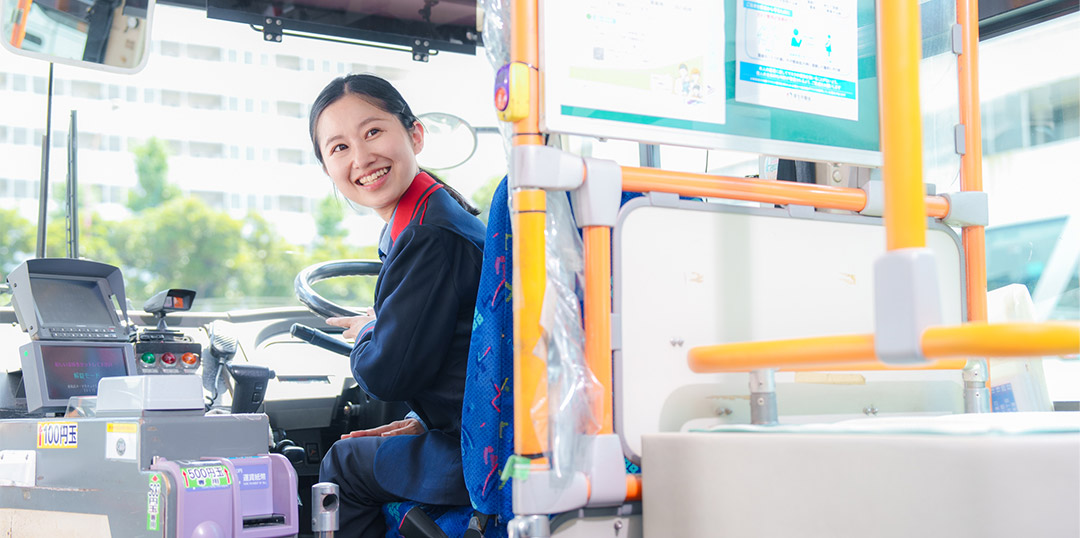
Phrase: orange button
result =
(502, 98)
(189, 358)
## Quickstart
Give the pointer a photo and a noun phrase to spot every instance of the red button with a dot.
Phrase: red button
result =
(189, 358)
(501, 98)
(168, 358)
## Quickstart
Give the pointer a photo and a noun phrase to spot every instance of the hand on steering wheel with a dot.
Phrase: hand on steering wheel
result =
(352, 324)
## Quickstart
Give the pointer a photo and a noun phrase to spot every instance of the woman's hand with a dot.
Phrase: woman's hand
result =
(409, 426)
(352, 324)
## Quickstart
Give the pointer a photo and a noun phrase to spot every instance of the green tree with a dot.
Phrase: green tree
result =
(173, 241)
(152, 169)
(481, 198)
(17, 241)
(182, 244)
(270, 262)
(99, 238)
(328, 217)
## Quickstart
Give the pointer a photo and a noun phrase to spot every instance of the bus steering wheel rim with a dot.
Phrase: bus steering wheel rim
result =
(326, 270)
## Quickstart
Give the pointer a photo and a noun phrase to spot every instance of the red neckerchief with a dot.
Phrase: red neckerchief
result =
(413, 201)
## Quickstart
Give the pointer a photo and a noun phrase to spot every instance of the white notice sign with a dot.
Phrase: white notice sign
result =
(798, 55)
(637, 63)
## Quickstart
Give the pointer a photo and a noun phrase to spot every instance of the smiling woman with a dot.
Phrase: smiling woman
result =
(368, 154)
(412, 346)
(367, 138)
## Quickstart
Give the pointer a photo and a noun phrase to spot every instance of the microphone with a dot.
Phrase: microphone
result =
(321, 339)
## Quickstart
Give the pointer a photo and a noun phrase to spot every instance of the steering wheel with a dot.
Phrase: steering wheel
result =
(330, 269)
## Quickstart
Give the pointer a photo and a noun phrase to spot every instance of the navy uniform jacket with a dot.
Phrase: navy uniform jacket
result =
(417, 349)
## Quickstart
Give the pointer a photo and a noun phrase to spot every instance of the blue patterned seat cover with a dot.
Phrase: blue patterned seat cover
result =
(487, 419)
(487, 430)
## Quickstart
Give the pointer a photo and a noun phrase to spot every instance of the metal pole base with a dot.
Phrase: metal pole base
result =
(324, 509)
(529, 527)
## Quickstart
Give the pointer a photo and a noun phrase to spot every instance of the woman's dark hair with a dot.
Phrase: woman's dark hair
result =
(383, 95)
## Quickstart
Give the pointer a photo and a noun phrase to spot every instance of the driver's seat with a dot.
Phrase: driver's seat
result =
(487, 429)
(487, 415)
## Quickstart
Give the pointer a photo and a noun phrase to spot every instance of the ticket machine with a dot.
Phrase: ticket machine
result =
(120, 446)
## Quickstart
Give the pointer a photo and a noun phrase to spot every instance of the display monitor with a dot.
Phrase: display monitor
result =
(449, 25)
(54, 372)
(69, 299)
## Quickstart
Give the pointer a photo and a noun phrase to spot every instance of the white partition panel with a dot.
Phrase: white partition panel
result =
(693, 273)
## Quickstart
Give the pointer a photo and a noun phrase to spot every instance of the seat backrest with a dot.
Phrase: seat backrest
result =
(487, 423)
(487, 420)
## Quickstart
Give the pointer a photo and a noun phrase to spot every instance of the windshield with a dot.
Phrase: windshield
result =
(198, 172)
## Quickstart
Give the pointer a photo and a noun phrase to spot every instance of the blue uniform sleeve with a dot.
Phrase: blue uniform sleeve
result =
(413, 414)
(416, 310)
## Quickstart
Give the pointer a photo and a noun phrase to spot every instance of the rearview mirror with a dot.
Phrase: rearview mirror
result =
(450, 141)
(109, 35)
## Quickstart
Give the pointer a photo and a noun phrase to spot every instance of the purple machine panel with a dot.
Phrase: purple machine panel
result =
(251, 497)
(253, 477)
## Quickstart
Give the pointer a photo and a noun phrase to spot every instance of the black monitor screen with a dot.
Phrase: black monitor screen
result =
(70, 302)
(75, 370)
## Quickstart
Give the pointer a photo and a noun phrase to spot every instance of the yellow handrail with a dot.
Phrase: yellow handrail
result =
(899, 53)
(530, 371)
(529, 277)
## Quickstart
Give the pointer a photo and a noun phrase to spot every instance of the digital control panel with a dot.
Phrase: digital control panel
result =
(76, 332)
(55, 371)
(171, 353)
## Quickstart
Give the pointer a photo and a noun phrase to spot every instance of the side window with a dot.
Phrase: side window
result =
(1031, 135)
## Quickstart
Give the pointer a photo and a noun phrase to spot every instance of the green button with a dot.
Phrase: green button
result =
(148, 358)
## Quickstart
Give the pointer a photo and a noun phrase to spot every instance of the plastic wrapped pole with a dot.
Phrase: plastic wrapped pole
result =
(497, 49)
(496, 32)
(572, 387)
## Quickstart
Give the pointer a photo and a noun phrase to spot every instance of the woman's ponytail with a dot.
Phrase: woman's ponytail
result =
(455, 194)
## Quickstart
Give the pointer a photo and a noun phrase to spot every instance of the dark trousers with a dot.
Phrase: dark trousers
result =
(350, 463)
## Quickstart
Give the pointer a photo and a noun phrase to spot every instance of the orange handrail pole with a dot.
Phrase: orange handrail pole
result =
(633, 487)
(529, 214)
(797, 352)
(1003, 340)
(873, 365)
(974, 237)
(899, 53)
(756, 190)
(937, 206)
(851, 351)
(597, 241)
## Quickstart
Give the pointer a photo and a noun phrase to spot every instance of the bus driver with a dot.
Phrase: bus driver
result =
(413, 346)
